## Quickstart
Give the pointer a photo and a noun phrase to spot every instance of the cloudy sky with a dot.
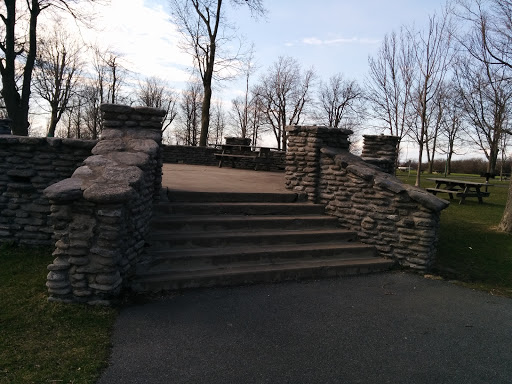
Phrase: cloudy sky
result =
(330, 35)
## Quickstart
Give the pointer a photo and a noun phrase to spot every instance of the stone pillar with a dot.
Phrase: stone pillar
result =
(381, 150)
(303, 156)
(101, 214)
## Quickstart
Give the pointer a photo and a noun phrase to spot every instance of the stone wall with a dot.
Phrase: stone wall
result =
(400, 220)
(27, 166)
(101, 214)
(184, 154)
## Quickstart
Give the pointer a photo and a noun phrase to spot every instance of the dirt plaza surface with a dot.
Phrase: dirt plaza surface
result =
(202, 178)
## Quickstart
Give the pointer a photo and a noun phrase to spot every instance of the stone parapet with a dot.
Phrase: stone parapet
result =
(27, 166)
(186, 154)
(101, 213)
(401, 221)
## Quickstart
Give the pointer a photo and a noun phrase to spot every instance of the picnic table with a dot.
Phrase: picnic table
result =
(235, 152)
(460, 188)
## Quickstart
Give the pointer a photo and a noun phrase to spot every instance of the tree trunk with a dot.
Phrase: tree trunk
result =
(12, 98)
(421, 143)
(493, 159)
(449, 164)
(506, 220)
(205, 114)
(418, 170)
(53, 123)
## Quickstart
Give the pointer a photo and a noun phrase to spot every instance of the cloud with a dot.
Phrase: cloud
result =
(339, 41)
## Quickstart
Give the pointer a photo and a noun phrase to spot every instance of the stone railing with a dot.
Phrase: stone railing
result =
(400, 220)
(27, 166)
(101, 214)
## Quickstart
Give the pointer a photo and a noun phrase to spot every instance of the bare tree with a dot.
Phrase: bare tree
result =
(341, 102)
(218, 123)
(207, 32)
(154, 92)
(190, 112)
(438, 112)
(432, 52)
(284, 93)
(389, 84)
(256, 118)
(57, 70)
(241, 105)
(239, 115)
(486, 93)
(492, 31)
(504, 145)
(116, 74)
(451, 123)
(19, 46)
(247, 118)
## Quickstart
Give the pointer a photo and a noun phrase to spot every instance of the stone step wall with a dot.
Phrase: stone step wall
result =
(400, 220)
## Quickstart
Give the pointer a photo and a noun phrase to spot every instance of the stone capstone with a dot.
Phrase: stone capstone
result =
(65, 190)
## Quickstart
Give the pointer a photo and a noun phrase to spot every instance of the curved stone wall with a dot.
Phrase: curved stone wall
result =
(27, 166)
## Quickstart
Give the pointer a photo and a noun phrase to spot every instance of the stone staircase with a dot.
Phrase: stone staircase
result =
(204, 239)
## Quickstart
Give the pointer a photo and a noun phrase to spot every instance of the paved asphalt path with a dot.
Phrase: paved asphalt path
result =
(383, 328)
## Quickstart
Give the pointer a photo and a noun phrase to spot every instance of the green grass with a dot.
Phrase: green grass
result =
(43, 342)
(470, 248)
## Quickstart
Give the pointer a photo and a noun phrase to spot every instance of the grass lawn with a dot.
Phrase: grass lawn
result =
(470, 248)
(42, 342)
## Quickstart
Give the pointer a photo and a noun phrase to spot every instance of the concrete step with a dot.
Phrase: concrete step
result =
(244, 208)
(213, 239)
(195, 223)
(249, 274)
(200, 258)
(167, 240)
(234, 197)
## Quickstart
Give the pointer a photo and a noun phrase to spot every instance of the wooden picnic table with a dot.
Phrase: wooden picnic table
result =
(460, 188)
(235, 152)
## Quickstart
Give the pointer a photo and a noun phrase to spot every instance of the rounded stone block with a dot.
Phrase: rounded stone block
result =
(130, 158)
(146, 146)
(108, 146)
(109, 193)
(123, 175)
(65, 190)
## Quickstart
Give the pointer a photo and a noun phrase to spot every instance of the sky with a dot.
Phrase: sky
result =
(336, 36)
(332, 36)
